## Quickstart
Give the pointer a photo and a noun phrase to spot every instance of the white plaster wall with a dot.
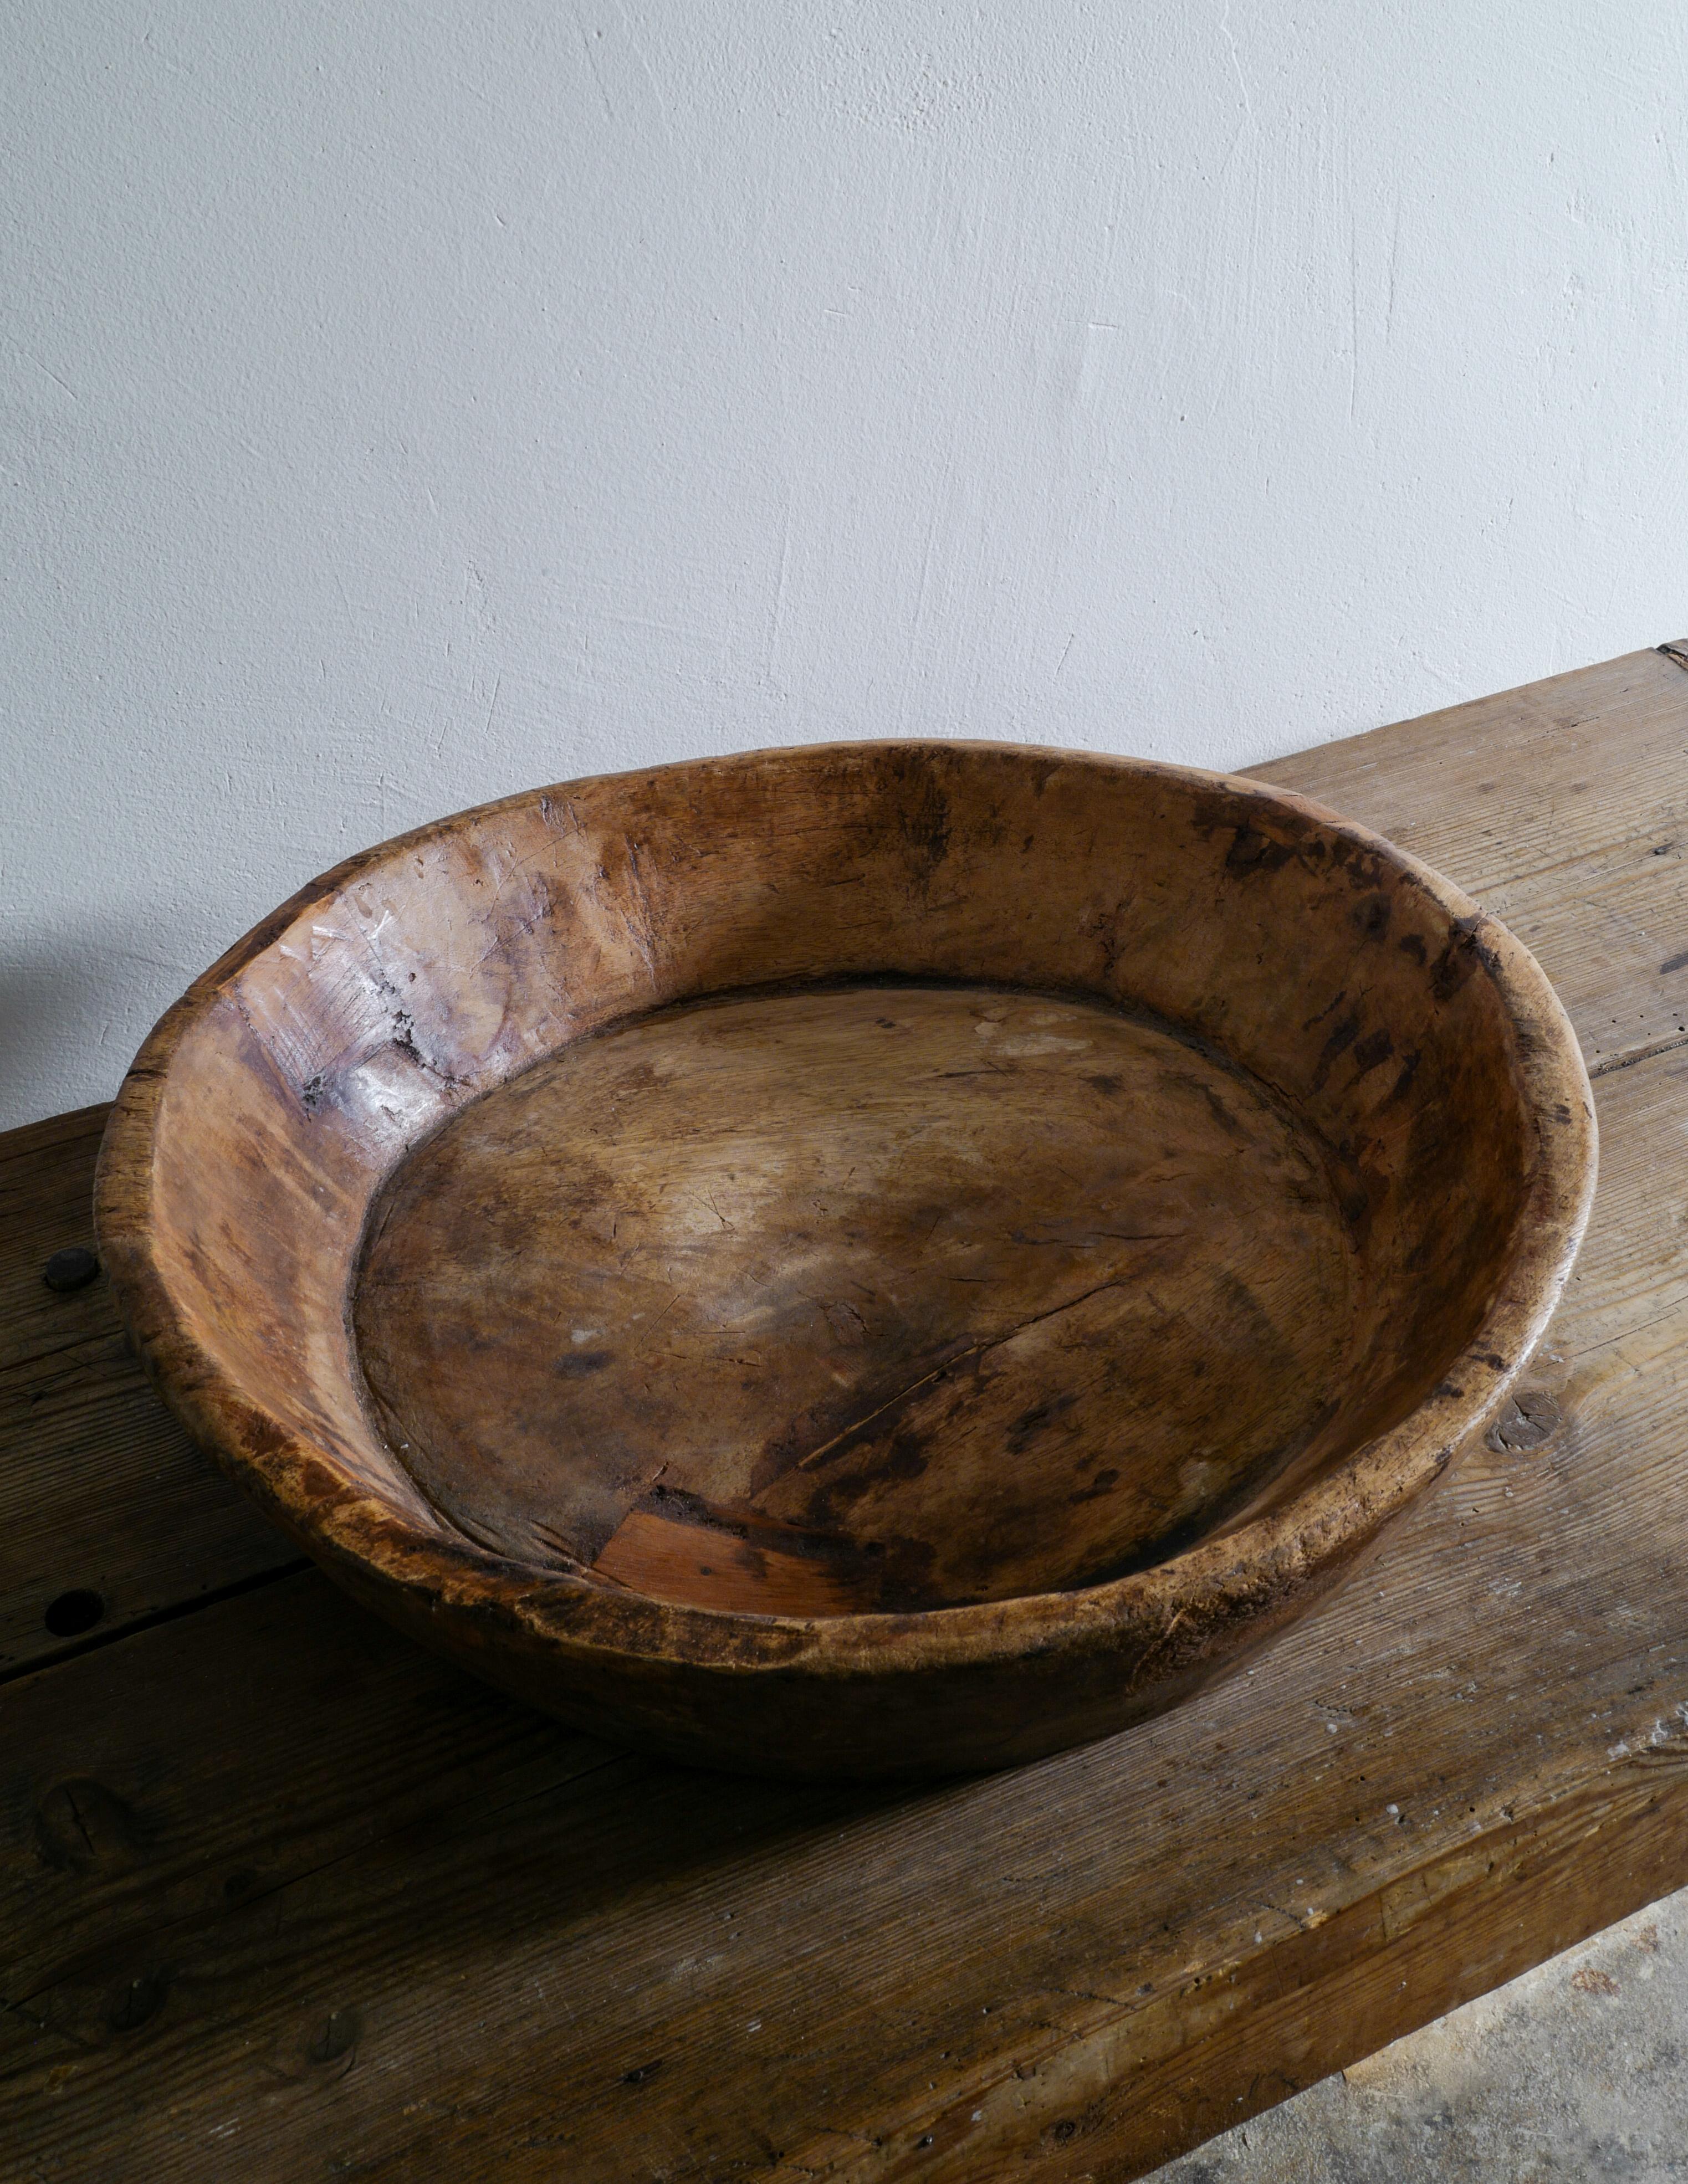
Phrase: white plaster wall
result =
(405, 404)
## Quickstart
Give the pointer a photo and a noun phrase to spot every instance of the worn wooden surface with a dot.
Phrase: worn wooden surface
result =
(99, 1487)
(1063, 1284)
(282, 1896)
(875, 1259)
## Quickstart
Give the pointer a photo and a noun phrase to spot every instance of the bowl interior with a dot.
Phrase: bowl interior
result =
(877, 1296)
(881, 1177)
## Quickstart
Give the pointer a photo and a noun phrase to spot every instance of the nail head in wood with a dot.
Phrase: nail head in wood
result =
(72, 1268)
(73, 1614)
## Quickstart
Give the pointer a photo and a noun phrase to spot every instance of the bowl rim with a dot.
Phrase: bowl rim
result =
(1166, 1610)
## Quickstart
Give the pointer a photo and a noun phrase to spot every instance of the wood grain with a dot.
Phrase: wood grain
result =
(1517, 796)
(878, 1472)
(627, 1967)
(290, 1933)
(100, 1489)
(891, 1297)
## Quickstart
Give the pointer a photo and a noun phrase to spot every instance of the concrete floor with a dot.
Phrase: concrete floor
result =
(1574, 2072)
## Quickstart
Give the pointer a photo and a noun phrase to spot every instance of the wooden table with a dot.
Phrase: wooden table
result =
(282, 1897)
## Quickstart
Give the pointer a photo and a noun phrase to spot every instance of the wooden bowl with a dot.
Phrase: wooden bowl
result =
(872, 1260)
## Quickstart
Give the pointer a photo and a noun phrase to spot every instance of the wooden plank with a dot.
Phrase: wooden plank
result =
(1563, 808)
(331, 1907)
(815, 1969)
(45, 1185)
(100, 1490)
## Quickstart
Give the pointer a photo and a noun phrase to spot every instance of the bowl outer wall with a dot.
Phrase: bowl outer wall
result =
(1093, 1658)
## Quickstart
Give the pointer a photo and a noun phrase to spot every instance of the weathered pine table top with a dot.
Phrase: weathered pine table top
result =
(282, 1897)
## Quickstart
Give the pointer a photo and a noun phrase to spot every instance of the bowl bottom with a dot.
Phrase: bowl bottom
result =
(839, 1300)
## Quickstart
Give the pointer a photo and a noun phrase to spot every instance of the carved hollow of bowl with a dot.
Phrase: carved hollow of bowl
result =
(879, 1259)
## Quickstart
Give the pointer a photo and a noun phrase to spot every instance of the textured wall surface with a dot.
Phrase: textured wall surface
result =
(405, 404)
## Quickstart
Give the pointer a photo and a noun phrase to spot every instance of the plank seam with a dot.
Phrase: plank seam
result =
(140, 1623)
(1632, 1055)
(196, 1919)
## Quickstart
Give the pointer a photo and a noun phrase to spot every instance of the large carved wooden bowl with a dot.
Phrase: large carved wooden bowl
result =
(871, 1260)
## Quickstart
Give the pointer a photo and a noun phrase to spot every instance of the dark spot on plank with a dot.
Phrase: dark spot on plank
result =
(139, 2001)
(1529, 1419)
(71, 1614)
(80, 1825)
(340, 2033)
(72, 1268)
